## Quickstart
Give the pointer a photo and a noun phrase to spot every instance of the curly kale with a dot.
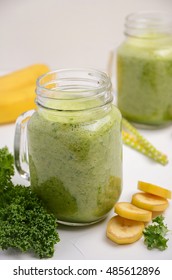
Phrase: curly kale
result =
(24, 222)
(154, 234)
(6, 167)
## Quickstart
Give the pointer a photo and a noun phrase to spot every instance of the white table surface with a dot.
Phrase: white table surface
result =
(90, 243)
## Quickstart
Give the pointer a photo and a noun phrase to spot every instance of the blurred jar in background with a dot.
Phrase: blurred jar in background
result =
(144, 69)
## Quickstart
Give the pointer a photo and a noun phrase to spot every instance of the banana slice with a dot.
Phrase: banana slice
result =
(124, 231)
(130, 211)
(153, 189)
(149, 201)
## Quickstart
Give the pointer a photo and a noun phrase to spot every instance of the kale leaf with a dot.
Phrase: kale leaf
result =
(6, 167)
(154, 234)
(25, 224)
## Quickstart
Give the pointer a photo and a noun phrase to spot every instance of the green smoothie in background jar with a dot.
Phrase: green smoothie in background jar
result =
(74, 146)
(144, 70)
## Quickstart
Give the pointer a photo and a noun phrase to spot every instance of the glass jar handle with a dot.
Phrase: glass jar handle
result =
(21, 158)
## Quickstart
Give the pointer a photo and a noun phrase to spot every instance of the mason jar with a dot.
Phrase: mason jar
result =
(70, 148)
(144, 69)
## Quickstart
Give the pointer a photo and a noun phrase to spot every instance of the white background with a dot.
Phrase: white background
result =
(78, 33)
(65, 33)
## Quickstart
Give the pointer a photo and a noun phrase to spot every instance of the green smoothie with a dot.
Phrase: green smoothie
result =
(144, 76)
(75, 163)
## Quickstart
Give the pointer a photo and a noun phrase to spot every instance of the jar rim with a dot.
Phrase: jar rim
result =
(101, 79)
(74, 88)
(143, 23)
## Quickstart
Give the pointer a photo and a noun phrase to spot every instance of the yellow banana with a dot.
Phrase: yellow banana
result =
(14, 103)
(22, 78)
(17, 91)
